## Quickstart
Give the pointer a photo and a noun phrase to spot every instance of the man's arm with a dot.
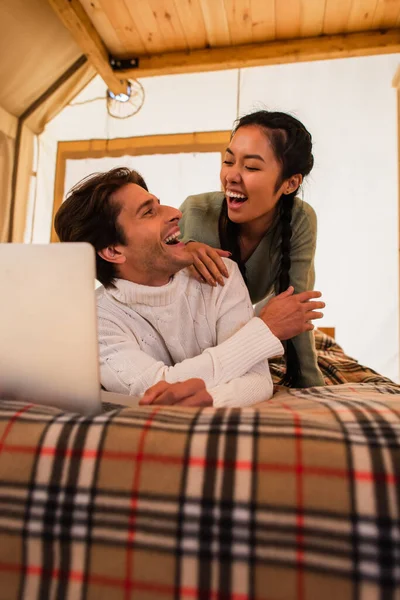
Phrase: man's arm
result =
(253, 387)
(126, 369)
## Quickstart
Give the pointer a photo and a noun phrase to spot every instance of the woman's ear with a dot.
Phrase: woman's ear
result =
(293, 183)
(112, 255)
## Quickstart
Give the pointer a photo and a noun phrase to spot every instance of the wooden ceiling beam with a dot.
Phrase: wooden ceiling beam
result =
(75, 19)
(271, 53)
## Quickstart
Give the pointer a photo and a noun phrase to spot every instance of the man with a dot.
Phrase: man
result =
(162, 334)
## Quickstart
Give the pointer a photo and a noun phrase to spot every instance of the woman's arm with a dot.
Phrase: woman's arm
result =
(199, 230)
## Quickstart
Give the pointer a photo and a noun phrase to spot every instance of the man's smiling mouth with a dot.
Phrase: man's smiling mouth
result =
(172, 239)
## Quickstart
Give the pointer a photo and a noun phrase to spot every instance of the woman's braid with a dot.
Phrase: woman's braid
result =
(292, 146)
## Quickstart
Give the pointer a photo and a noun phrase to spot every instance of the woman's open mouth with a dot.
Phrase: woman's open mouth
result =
(235, 200)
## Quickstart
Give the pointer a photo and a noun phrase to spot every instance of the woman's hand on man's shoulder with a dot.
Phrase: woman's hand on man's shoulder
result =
(208, 266)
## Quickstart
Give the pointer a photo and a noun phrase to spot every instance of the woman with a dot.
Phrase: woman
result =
(268, 231)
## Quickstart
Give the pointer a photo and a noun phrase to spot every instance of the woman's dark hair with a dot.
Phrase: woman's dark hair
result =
(292, 146)
(89, 214)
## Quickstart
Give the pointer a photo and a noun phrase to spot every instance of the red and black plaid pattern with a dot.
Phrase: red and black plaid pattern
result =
(297, 498)
(336, 366)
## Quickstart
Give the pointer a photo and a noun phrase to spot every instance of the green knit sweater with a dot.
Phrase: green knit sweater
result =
(200, 223)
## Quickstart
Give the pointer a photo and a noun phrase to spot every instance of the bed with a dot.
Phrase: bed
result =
(336, 366)
(296, 498)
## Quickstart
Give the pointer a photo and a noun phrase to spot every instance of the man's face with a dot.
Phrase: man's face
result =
(152, 253)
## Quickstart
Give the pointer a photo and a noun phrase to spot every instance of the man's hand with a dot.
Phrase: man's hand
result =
(289, 314)
(191, 392)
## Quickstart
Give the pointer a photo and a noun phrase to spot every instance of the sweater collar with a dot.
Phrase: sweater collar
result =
(128, 292)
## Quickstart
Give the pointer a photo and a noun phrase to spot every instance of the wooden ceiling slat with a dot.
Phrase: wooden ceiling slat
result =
(386, 14)
(143, 17)
(216, 22)
(336, 16)
(239, 21)
(167, 18)
(103, 26)
(171, 36)
(362, 14)
(132, 27)
(123, 26)
(312, 17)
(191, 17)
(288, 17)
(263, 20)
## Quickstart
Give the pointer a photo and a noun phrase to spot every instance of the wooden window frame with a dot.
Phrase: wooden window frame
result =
(205, 141)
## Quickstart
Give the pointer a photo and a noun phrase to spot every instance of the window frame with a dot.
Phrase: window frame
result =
(204, 141)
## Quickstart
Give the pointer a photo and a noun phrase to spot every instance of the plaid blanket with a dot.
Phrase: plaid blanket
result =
(297, 498)
(336, 366)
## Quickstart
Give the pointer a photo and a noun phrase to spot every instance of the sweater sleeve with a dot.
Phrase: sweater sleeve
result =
(256, 383)
(302, 277)
(253, 387)
(243, 342)
(199, 222)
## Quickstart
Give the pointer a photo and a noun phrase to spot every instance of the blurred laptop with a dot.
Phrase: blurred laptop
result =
(48, 327)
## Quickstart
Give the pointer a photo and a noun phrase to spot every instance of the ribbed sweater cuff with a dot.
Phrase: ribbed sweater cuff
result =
(248, 346)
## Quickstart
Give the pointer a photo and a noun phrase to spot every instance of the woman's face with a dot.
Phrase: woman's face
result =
(250, 174)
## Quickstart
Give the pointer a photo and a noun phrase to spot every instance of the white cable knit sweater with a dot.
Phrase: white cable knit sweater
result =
(185, 329)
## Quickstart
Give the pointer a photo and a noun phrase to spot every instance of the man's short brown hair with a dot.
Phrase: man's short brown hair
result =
(89, 214)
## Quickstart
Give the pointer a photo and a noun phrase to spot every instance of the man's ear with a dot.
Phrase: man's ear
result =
(111, 254)
(293, 183)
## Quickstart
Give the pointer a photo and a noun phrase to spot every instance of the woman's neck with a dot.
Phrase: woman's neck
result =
(256, 229)
(252, 233)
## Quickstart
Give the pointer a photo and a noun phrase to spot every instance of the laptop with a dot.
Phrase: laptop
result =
(48, 328)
